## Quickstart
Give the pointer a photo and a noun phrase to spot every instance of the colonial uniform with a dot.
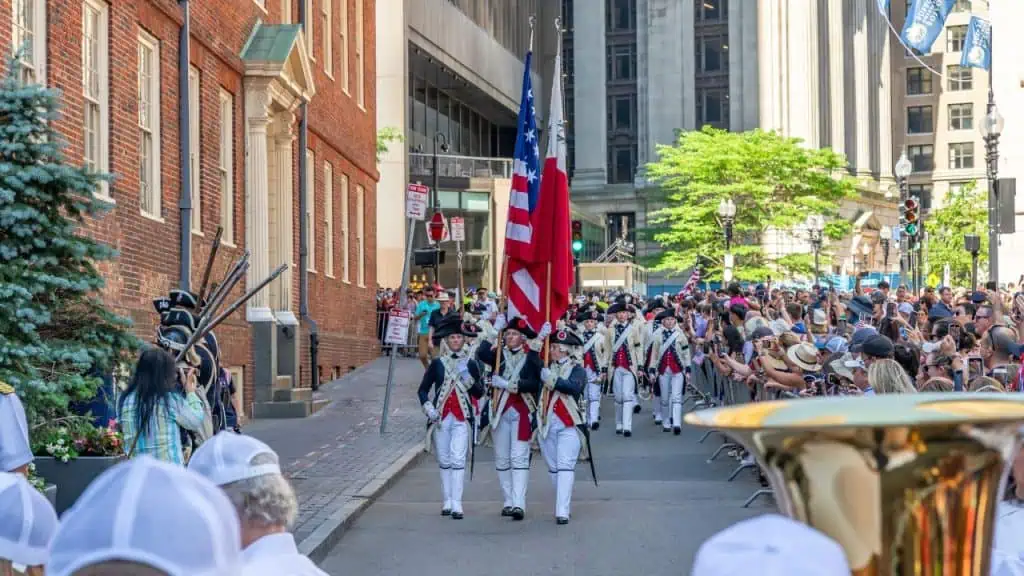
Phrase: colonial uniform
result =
(15, 450)
(594, 360)
(562, 423)
(625, 348)
(670, 355)
(455, 379)
(656, 307)
(512, 415)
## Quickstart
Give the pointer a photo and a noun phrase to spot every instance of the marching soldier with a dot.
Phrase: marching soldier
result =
(654, 308)
(670, 361)
(562, 430)
(512, 408)
(625, 347)
(595, 362)
(455, 379)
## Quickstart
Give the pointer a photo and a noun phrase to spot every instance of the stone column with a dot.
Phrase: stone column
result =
(257, 101)
(885, 127)
(688, 53)
(769, 70)
(802, 77)
(591, 100)
(861, 161)
(285, 197)
(836, 76)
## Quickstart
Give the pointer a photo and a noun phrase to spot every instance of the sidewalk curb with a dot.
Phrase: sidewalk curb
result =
(326, 536)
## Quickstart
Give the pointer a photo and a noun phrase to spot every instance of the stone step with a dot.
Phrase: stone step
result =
(282, 383)
(292, 394)
(319, 404)
(290, 409)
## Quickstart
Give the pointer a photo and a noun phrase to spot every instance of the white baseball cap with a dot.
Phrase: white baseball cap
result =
(152, 513)
(225, 458)
(770, 545)
(29, 521)
(14, 446)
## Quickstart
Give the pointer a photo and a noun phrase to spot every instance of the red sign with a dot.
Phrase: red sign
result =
(437, 227)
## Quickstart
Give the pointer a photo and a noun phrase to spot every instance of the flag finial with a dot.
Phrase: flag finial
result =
(533, 23)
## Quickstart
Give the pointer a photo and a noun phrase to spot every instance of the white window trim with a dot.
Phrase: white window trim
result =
(227, 152)
(328, 220)
(103, 71)
(310, 45)
(310, 211)
(361, 234)
(343, 31)
(286, 11)
(38, 38)
(328, 37)
(153, 44)
(345, 230)
(195, 156)
(360, 58)
(261, 4)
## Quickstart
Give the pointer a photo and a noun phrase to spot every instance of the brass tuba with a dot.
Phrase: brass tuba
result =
(907, 484)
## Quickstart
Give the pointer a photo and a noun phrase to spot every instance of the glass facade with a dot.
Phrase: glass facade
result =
(433, 110)
(475, 208)
(505, 20)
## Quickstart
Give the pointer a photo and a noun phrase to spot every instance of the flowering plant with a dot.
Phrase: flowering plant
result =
(37, 481)
(72, 437)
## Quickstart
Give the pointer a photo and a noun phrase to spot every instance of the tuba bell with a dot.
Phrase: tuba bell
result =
(907, 484)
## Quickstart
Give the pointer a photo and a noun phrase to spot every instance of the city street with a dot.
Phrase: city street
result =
(657, 501)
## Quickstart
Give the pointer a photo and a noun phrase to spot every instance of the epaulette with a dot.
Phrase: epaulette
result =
(6, 389)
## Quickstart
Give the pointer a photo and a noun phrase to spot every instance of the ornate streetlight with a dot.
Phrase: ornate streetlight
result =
(815, 227)
(727, 212)
(902, 171)
(865, 250)
(991, 127)
(972, 243)
(886, 236)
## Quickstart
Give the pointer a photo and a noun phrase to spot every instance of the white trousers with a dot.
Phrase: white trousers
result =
(511, 459)
(624, 386)
(451, 442)
(593, 402)
(561, 450)
(672, 399)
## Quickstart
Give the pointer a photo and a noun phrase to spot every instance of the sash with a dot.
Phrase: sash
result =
(667, 344)
(452, 384)
(513, 369)
(592, 342)
(621, 340)
(563, 371)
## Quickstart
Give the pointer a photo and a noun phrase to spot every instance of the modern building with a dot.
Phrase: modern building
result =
(240, 80)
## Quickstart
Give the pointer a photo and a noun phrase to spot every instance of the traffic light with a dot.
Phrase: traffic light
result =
(577, 236)
(910, 216)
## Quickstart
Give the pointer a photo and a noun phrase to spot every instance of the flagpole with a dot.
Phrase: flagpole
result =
(533, 22)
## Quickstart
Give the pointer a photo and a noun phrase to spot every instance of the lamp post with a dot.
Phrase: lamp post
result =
(727, 213)
(865, 250)
(991, 127)
(972, 243)
(815, 227)
(440, 142)
(885, 236)
(902, 171)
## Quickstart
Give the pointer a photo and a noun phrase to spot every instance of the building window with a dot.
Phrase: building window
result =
(961, 116)
(225, 167)
(621, 15)
(962, 6)
(309, 29)
(193, 149)
(95, 72)
(328, 219)
(622, 162)
(711, 10)
(310, 211)
(344, 228)
(328, 36)
(713, 107)
(344, 45)
(960, 78)
(712, 54)
(955, 38)
(28, 38)
(286, 11)
(361, 234)
(622, 62)
(622, 113)
(961, 155)
(360, 61)
(923, 193)
(958, 187)
(919, 81)
(920, 120)
(922, 157)
(149, 125)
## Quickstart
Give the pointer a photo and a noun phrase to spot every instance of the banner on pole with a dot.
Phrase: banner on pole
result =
(458, 228)
(398, 327)
(416, 201)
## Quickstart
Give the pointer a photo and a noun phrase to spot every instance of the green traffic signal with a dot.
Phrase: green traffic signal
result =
(577, 245)
(911, 229)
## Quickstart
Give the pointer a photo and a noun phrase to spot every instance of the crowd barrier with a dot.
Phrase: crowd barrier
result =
(407, 349)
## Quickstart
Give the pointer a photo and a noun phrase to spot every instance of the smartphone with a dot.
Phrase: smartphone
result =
(890, 310)
(975, 367)
(842, 325)
(954, 333)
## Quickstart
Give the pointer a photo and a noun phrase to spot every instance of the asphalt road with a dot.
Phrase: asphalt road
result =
(658, 500)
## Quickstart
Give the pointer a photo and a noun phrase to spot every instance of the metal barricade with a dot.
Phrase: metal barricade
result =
(407, 349)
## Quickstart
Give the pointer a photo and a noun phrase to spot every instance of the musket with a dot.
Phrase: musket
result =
(209, 263)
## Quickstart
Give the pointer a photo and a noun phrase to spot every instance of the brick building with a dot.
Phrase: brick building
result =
(251, 69)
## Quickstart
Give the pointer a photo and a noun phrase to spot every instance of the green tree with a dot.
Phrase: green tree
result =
(56, 336)
(775, 182)
(964, 211)
(385, 136)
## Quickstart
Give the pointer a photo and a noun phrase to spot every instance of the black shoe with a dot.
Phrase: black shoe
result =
(636, 409)
(627, 433)
(518, 513)
(618, 432)
(561, 521)
(446, 512)
(677, 430)
(665, 429)
(506, 511)
(595, 425)
(456, 515)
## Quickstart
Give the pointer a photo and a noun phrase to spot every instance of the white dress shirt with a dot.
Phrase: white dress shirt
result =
(277, 555)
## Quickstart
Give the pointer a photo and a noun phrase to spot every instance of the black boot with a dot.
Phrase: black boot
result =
(627, 433)
(677, 430)
(618, 432)
(518, 513)
(506, 511)
(446, 512)
(595, 425)
(561, 521)
(636, 409)
(456, 515)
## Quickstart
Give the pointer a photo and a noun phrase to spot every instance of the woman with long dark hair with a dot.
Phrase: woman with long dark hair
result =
(153, 407)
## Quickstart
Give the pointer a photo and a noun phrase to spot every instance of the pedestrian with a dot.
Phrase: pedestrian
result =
(144, 517)
(249, 472)
(512, 408)
(562, 422)
(28, 526)
(595, 360)
(625, 347)
(670, 366)
(422, 316)
(455, 379)
(15, 450)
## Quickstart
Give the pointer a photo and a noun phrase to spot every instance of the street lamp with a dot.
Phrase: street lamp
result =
(865, 250)
(972, 243)
(991, 127)
(886, 236)
(727, 212)
(902, 170)
(815, 227)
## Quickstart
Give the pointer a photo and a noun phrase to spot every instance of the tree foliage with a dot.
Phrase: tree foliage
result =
(385, 136)
(964, 211)
(775, 182)
(56, 336)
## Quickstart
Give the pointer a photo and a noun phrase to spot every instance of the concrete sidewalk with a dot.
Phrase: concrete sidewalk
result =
(336, 459)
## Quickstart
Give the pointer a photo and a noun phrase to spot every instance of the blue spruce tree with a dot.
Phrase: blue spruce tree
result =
(56, 336)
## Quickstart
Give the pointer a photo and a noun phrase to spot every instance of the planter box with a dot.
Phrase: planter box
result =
(50, 491)
(72, 477)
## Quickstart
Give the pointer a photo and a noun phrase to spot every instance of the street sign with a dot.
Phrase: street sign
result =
(436, 227)
(431, 229)
(398, 327)
(416, 201)
(458, 229)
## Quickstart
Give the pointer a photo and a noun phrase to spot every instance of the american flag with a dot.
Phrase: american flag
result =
(692, 283)
(525, 177)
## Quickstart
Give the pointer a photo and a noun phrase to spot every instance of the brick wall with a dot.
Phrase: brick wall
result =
(340, 132)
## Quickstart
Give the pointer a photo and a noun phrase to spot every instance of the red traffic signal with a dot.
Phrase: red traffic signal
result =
(436, 227)
(911, 207)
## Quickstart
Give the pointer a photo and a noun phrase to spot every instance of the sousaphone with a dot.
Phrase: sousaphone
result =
(907, 484)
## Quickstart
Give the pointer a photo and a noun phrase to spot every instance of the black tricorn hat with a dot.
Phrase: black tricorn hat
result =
(589, 314)
(655, 303)
(620, 306)
(520, 325)
(179, 317)
(162, 305)
(184, 299)
(666, 313)
(566, 337)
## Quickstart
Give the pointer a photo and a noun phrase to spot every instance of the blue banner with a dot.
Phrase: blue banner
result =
(977, 50)
(925, 20)
(883, 7)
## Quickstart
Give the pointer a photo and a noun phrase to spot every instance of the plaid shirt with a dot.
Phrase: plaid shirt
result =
(162, 439)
